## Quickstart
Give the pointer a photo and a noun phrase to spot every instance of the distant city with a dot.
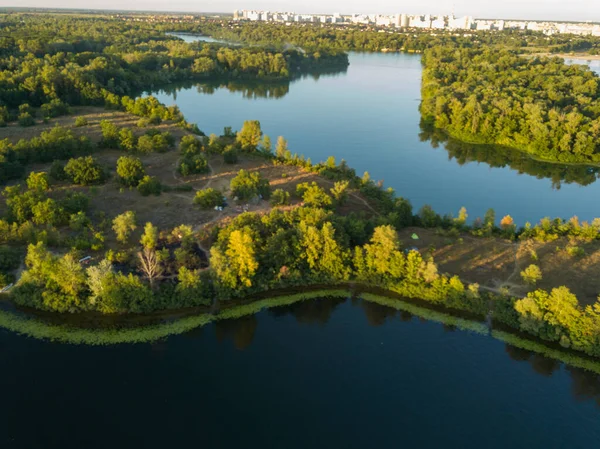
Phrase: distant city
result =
(427, 21)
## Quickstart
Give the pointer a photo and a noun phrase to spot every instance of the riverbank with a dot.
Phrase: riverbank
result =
(70, 334)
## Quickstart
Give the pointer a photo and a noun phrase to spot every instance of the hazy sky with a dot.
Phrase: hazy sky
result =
(525, 9)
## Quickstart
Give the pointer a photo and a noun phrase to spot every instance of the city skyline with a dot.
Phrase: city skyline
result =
(555, 10)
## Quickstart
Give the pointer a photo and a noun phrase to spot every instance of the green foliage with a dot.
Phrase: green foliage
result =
(230, 155)
(247, 185)
(532, 274)
(209, 198)
(130, 170)
(313, 195)
(124, 225)
(26, 120)
(280, 197)
(81, 121)
(149, 239)
(85, 171)
(339, 191)
(149, 185)
(249, 136)
(38, 181)
(539, 105)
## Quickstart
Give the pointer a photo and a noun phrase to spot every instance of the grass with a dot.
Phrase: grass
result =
(36, 328)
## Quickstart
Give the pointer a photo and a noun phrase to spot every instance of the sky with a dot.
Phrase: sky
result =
(580, 10)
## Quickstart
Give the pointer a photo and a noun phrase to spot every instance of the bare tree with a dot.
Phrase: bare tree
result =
(150, 265)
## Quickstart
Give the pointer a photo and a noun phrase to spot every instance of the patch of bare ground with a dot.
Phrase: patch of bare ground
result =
(496, 264)
(94, 115)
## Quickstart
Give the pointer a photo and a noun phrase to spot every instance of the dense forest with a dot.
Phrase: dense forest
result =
(82, 60)
(539, 105)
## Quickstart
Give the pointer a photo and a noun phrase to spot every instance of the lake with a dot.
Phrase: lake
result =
(368, 115)
(325, 373)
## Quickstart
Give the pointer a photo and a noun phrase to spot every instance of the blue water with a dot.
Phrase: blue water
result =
(323, 374)
(369, 117)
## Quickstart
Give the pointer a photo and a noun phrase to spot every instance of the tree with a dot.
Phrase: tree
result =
(81, 121)
(340, 192)
(149, 239)
(247, 185)
(280, 197)
(230, 155)
(236, 265)
(281, 150)
(150, 265)
(84, 171)
(532, 274)
(149, 185)
(462, 217)
(266, 145)
(38, 181)
(209, 198)
(249, 136)
(124, 225)
(130, 170)
(127, 140)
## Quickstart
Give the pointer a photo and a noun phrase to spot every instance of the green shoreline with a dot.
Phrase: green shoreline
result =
(39, 329)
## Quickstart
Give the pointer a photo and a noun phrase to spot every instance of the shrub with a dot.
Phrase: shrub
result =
(192, 164)
(209, 198)
(149, 185)
(532, 274)
(130, 170)
(38, 181)
(81, 121)
(575, 251)
(247, 185)
(26, 119)
(230, 155)
(280, 197)
(84, 171)
(124, 225)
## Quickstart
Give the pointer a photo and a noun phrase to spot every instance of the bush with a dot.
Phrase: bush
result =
(280, 197)
(209, 198)
(57, 171)
(85, 171)
(575, 251)
(192, 164)
(26, 119)
(532, 274)
(81, 121)
(230, 155)
(130, 170)
(149, 185)
(247, 185)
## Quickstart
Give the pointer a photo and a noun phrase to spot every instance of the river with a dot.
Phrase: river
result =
(321, 374)
(368, 115)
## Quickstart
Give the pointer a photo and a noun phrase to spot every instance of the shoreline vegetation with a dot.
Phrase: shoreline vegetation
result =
(308, 235)
(35, 327)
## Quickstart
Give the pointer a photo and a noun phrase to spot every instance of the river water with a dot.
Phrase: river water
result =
(369, 116)
(321, 374)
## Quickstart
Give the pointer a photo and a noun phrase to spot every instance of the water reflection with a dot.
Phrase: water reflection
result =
(496, 156)
(241, 332)
(252, 89)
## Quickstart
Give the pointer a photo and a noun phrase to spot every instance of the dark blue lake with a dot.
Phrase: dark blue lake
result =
(369, 116)
(320, 374)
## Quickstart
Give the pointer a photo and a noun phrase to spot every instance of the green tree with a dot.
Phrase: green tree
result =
(149, 185)
(149, 239)
(247, 185)
(281, 150)
(84, 171)
(124, 225)
(130, 170)
(280, 197)
(340, 192)
(532, 274)
(249, 136)
(38, 181)
(209, 198)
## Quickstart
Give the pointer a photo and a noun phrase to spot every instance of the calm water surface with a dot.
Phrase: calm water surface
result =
(369, 117)
(322, 374)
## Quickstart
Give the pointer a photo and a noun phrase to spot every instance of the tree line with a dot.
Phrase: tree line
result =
(538, 105)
